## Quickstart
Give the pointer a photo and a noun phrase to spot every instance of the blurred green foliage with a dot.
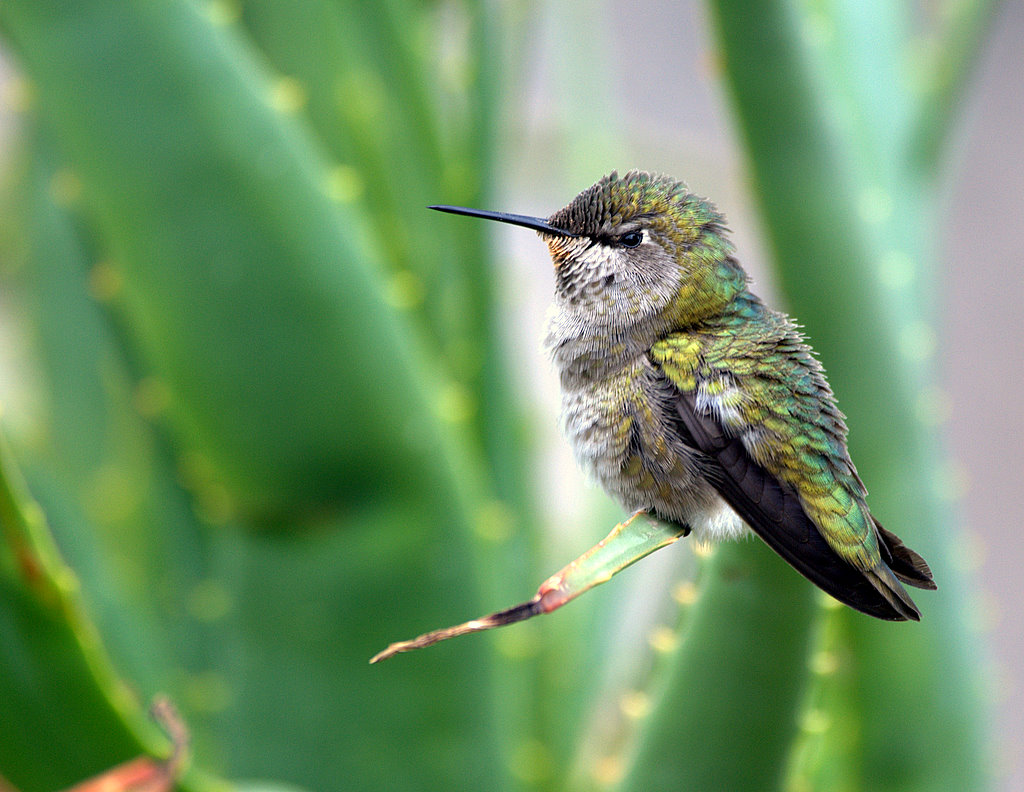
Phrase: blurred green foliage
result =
(276, 431)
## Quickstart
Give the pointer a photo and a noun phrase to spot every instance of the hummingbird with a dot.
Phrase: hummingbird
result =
(685, 396)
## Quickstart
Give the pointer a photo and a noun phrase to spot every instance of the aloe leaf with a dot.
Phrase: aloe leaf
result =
(401, 95)
(727, 708)
(851, 235)
(249, 293)
(66, 712)
(260, 639)
(94, 460)
(280, 622)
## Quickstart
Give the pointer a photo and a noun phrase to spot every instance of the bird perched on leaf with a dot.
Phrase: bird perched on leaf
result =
(685, 396)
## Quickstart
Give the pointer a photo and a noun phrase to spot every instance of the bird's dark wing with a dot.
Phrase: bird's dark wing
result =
(774, 512)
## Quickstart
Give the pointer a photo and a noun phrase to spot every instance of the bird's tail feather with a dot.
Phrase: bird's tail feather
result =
(899, 563)
(907, 565)
(885, 582)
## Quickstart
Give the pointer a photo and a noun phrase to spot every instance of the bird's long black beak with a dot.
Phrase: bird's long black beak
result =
(536, 223)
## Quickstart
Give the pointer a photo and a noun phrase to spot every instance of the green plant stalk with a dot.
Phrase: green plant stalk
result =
(729, 707)
(854, 262)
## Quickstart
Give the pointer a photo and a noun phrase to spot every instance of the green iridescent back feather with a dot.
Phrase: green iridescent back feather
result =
(777, 397)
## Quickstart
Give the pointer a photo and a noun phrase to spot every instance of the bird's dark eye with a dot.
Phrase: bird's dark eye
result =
(631, 239)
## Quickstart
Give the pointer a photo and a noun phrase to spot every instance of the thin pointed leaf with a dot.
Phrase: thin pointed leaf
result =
(628, 542)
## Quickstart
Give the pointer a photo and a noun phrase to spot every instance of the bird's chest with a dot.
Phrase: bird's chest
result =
(623, 435)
